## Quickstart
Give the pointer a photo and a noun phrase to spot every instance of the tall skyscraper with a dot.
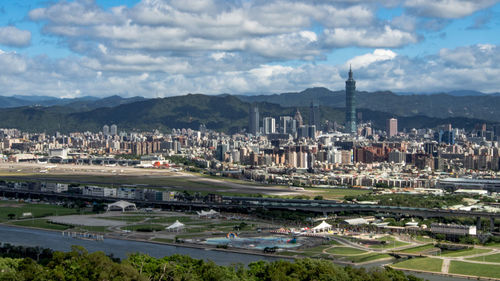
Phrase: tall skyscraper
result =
(113, 130)
(298, 118)
(287, 125)
(269, 124)
(391, 127)
(253, 122)
(105, 130)
(314, 118)
(350, 104)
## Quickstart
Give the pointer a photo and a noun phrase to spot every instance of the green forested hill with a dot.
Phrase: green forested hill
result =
(223, 113)
(485, 107)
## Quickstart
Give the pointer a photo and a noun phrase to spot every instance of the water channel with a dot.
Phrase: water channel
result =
(120, 248)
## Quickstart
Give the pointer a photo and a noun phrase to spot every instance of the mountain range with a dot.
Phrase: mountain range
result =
(229, 113)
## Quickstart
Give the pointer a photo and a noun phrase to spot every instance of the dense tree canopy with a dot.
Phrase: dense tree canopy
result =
(80, 265)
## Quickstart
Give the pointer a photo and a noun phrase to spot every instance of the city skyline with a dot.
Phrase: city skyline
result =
(165, 48)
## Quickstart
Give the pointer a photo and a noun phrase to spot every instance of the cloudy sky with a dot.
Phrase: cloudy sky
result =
(158, 48)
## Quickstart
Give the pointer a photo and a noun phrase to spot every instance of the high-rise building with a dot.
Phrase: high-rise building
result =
(105, 130)
(253, 122)
(269, 124)
(350, 102)
(113, 130)
(220, 152)
(314, 118)
(447, 137)
(298, 118)
(287, 125)
(391, 127)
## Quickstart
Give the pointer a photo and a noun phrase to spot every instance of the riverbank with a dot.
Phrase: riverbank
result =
(121, 248)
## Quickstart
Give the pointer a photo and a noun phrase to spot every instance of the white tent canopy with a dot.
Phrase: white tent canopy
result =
(208, 214)
(121, 205)
(323, 226)
(176, 226)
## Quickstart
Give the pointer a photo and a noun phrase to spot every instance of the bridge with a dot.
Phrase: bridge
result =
(251, 203)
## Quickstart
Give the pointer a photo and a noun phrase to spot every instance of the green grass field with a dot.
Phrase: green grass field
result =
(344, 251)
(170, 219)
(144, 227)
(92, 228)
(424, 239)
(418, 249)
(37, 210)
(427, 264)
(391, 242)
(475, 269)
(337, 193)
(163, 240)
(40, 223)
(465, 252)
(367, 257)
(314, 251)
(111, 180)
(487, 258)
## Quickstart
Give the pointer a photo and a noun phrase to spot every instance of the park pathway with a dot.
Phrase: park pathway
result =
(446, 266)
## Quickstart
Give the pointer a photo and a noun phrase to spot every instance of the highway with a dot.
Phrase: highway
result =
(230, 202)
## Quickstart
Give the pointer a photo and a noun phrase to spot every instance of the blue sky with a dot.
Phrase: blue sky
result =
(171, 47)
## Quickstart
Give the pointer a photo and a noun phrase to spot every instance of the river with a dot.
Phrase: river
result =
(120, 248)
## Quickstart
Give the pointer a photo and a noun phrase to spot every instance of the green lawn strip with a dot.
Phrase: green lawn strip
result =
(288, 253)
(391, 242)
(487, 258)
(144, 227)
(344, 251)
(366, 257)
(465, 252)
(337, 193)
(315, 250)
(37, 210)
(108, 180)
(418, 249)
(493, 245)
(474, 269)
(163, 240)
(40, 223)
(91, 228)
(424, 239)
(171, 219)
(426, 264)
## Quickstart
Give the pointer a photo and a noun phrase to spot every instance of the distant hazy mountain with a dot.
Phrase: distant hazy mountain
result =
(80, 103)
(484, 106)
(224, 113)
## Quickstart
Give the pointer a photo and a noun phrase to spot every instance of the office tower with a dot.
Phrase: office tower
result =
(314, 118)
(391, 127)
(447, 137)
(253, 126)
(298, 118)
(113, 130)
(287, 125)
(105, 130)
(397, 156)
(269, 124)
(496, 129)
(350, 102)
(306, 131)
(220, 152)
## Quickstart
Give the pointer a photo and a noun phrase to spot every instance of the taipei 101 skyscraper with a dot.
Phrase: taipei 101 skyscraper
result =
(350, 104)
